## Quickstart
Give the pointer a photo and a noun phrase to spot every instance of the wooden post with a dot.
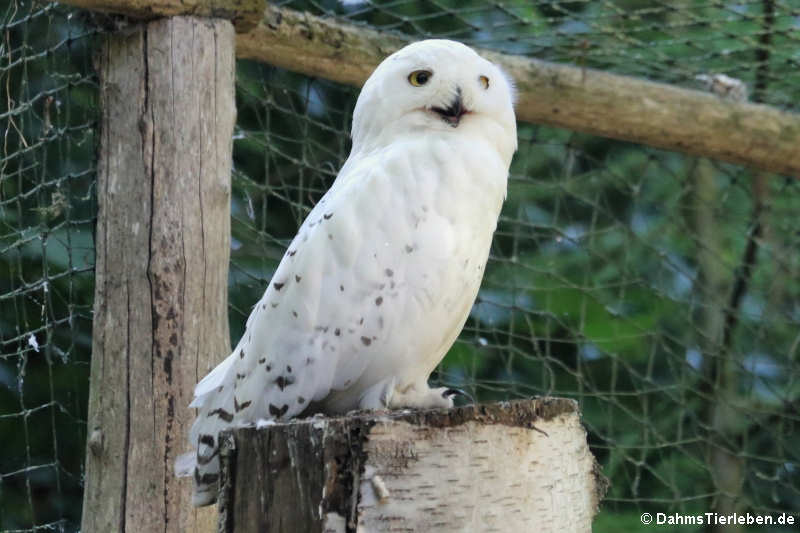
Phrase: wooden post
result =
(517, 466)
(162, 244)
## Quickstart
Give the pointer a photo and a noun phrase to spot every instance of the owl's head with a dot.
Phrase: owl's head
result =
(436, 85)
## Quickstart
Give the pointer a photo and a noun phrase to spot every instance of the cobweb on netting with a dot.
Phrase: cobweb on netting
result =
(47, 214)
(660, 290)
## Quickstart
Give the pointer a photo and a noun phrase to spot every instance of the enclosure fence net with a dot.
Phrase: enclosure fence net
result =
(660, 290)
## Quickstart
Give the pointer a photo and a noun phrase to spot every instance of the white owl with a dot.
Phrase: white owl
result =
(381, 276)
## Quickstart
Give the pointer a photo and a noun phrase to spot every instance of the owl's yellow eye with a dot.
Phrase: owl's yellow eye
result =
(484, 81)
(418, 78)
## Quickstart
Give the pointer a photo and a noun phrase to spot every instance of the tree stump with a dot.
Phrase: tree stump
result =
(510, 466)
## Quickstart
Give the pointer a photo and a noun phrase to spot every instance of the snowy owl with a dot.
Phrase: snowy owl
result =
(383, 272)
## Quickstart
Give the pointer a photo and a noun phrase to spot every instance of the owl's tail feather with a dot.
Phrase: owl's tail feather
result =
(202, 463)
(212, 381)
(185, 463)
(206, 477)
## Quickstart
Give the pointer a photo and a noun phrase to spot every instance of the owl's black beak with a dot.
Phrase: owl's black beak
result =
(452, 113)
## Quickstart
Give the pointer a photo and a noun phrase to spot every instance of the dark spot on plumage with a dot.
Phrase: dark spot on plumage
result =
(297, 278)
(205, 458)
(309, 361)
(278, 412)
(289, 368)
(205, 479)
(391, 285)
(290, 253)
(379, 300)
(301, 400)
(278, 286)
(222, 413)
(263, 306)
(323, 329)
(269, 368)
(409, 249)
(366, 340)
(282, 381)
(294, 314)
(241, 376)
(262, 360)
(341, 288)
(327, 216)
(389, 272)
(312, 224)
(330, 236)
(239, 406)
(351, 330)
(219, 389)
(274, 304)
(337, 332)
(241, 354)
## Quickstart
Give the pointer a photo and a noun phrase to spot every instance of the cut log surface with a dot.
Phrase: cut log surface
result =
(510, 466)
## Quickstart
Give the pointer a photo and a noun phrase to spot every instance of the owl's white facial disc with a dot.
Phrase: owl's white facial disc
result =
(435, 85)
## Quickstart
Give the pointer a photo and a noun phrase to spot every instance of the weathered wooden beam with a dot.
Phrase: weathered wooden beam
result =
(579, 99)
(516, 466)
(244, 14)
(162, 253)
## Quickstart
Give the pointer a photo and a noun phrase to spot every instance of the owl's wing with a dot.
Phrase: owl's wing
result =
(301, 336)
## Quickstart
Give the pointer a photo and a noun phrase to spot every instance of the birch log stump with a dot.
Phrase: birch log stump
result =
(517, 466)
(163, 245)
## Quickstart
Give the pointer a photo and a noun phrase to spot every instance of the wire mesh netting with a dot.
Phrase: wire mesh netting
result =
(46, 257)
(672, 41)
(660, 290)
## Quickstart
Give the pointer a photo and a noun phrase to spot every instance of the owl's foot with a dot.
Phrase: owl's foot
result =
(416, 397)
(421, 396)
(387, 395)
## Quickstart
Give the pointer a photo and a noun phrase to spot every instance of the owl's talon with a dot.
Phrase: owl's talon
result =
(449, 393)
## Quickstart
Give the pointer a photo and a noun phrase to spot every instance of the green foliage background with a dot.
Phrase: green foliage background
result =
(611, 278)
